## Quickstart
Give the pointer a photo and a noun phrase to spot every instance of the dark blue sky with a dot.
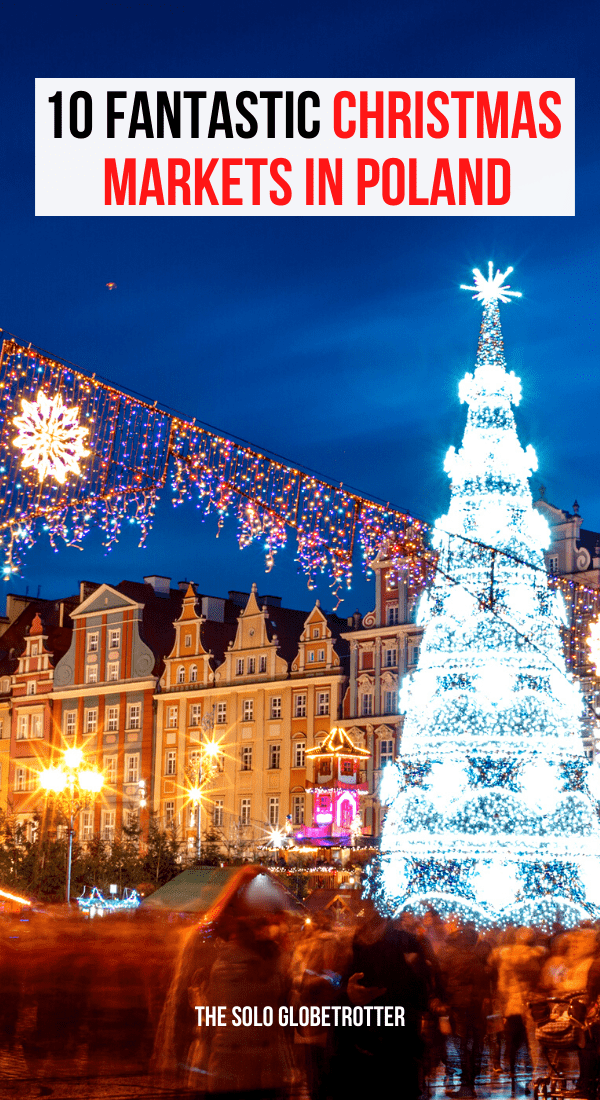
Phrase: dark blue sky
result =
(338, 342)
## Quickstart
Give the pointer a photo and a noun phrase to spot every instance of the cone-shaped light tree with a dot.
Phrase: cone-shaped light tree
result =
(490, 811)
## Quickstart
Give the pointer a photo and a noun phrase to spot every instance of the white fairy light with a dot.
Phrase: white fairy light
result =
(494, 811)
(50, 437)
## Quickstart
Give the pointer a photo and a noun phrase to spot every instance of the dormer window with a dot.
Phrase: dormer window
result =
(188, 641)
(316, 632)
(181, 675)
(193, 674)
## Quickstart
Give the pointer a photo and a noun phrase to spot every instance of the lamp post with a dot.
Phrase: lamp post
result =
(76, 784)
(199, 775)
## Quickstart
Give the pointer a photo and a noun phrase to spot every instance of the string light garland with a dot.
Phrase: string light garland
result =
(492, 805)
(50, 483)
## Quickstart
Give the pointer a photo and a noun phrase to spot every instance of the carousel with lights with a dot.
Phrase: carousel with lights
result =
(492, 804)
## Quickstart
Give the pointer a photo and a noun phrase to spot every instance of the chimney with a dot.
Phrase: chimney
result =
(161, 585)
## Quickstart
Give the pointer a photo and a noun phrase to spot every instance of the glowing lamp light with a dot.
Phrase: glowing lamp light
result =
(53, 779)
(195, 794)
(73, 758)
(594, 643)
(91, 781)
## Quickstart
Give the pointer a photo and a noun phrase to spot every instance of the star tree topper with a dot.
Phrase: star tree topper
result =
(50, 437)
(491, 289)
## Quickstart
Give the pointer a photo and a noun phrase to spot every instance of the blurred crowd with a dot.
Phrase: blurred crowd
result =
(125, 994)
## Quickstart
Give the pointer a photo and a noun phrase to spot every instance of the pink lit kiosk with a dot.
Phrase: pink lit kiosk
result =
(336, 790)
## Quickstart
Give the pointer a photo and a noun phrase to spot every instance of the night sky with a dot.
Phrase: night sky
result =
(336, 342)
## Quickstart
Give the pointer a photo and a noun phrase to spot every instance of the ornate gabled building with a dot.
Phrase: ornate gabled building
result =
(35, 636)
(104, 693)
(383, 649)
(264, 693)
(573, 551)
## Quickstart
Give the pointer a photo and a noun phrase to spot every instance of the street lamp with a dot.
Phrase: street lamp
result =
(199, 774)
(76, 784)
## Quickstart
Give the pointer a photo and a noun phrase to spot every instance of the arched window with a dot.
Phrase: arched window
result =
(193, 674)
(181, 675)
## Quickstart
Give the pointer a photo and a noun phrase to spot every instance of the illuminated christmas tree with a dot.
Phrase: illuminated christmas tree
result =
(490, 811)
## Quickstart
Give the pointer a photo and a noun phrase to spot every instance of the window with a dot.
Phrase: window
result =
(181, 675)
(311, 656)
(134, 716)
(239, 666)
(274, 756)
(366, 704)
(93, 642)
(91, 720)
(218, 813)
(91, 674)
(20, 779)
(114, 639)
(34, 650)
(108, 824)
(300, 706)
(389, 702)
(414, 654)
(393, 615)
(246, 758)
(389, 658)
(262, 664)
(195, 714)
(298, 809)
(171, 763)
(195, 759)
(273, 810)
(193, 674)
(131, 819)
(386, 753)
(169, 814)
(321, 655)
(553, 564)
(87, 825)
(132, 768)
(173, 718)
(251, 666)
(316, 632)
(248, 710)
(70, 723)
(31, 687)
(110, 770)
(299, 754)
(221, 714)
(23, 727)
(276, 706)
(112, 671)
(188, 641)
(347, 767)
(112, 719)
(245, 811)
(36, 725)
(323, 702)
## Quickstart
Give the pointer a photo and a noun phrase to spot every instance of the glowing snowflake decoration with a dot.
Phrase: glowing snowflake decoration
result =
(593, 641)
(491, 289)
(50, 437)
